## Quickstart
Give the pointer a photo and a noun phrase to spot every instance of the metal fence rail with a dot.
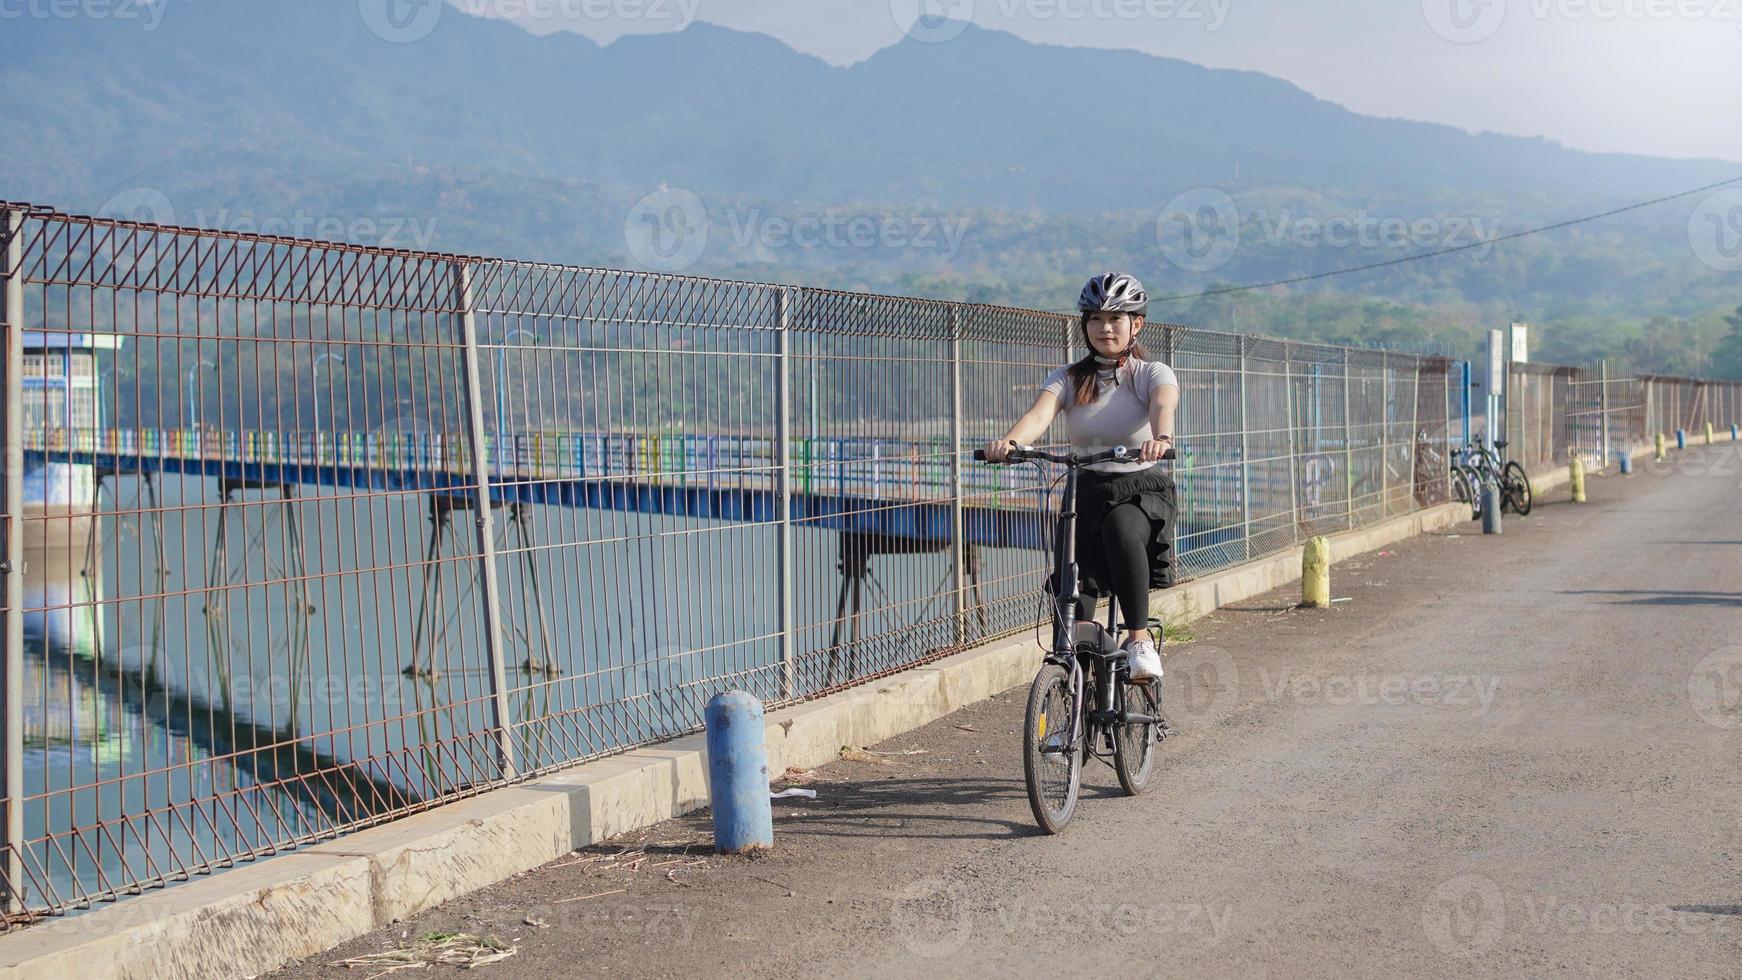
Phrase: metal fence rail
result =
(313, 536)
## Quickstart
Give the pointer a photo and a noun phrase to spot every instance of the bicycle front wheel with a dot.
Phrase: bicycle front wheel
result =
(1518, 488)
(1134, 742)
(1050, 761)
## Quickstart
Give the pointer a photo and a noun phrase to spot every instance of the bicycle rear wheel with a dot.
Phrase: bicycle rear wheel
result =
(1517, 485)
(1053, 766)
(1134, 742)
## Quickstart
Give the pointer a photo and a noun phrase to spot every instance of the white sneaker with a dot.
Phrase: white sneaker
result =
(1145, 660)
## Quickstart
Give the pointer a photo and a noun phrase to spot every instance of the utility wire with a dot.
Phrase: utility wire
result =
(1445, 251)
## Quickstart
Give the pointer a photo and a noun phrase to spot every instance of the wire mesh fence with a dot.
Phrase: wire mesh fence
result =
(313, 536)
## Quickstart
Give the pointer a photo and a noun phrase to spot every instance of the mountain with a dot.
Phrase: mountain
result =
(293, 116)
(983, 120)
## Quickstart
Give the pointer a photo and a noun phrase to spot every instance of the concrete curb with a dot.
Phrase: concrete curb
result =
(256, 918)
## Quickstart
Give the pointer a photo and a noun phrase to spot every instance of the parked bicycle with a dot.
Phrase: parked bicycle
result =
(1467, 481)
(1508, 475)
(1083, 702)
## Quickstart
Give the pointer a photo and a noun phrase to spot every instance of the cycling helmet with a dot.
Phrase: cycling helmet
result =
(1113, 292)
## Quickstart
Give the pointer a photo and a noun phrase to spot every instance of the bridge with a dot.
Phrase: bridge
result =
(884, 487)
(690, 485)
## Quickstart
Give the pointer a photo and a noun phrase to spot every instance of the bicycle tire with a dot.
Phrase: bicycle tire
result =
(1469, 490)
(1134, 743)
(1054, 777)
(1518, 491)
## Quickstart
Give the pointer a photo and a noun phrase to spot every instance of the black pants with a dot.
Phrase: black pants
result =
(1125, 539)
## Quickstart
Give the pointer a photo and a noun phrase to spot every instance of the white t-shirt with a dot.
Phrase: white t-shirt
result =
(1119, 416)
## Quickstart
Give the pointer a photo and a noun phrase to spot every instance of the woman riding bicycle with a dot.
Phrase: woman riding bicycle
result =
(1115, 396)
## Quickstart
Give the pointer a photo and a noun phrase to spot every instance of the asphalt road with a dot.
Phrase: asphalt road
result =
(1500, 757)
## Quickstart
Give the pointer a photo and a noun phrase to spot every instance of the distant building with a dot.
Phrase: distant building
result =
(62, 572)
(62, 396)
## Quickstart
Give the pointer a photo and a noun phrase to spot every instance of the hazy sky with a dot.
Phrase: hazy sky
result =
(1660, 77)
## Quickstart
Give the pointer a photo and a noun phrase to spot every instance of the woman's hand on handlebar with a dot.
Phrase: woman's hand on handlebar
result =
(998, 449)
(1154, 449)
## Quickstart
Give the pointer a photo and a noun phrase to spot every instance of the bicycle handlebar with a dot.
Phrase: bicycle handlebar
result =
(1118, 454)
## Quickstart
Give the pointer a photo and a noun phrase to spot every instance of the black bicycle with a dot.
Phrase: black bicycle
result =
(1083, 702)
(1508, 475)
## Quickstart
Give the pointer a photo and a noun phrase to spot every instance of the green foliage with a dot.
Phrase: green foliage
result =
(1727, 357)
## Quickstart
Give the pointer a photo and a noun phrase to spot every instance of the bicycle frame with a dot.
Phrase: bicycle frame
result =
(1064, 646)
(1066, 583)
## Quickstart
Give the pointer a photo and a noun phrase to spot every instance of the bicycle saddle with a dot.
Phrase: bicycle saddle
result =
(1500, 444)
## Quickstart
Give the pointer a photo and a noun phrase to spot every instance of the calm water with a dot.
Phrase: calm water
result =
(234, 651)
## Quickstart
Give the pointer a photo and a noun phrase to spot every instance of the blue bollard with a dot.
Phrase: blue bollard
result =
(1626, 462)
(1733, 435)
(738, 774)
(1681, 438)
(1491, 509)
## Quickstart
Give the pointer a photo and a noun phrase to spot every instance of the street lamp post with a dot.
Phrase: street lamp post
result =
(193, 406)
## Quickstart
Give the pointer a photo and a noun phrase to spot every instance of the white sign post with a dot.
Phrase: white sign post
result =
(1496, 380)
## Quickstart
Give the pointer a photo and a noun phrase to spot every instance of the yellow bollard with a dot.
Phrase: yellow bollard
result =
(1660, 445)
(1315, 573)
(1708, 433)
(1578, 475)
